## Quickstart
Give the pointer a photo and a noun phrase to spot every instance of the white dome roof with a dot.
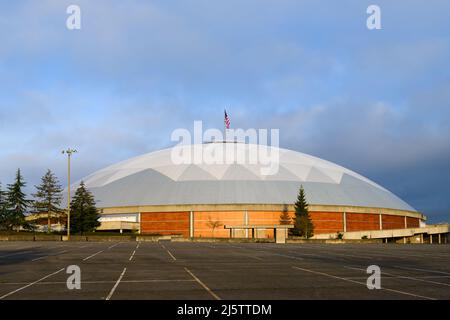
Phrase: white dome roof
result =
(155, 179)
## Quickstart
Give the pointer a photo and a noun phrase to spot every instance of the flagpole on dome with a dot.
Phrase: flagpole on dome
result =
(226, 125)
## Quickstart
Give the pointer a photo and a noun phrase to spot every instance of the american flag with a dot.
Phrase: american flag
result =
(227, 120)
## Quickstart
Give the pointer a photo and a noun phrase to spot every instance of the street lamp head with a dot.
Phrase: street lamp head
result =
(69, 151)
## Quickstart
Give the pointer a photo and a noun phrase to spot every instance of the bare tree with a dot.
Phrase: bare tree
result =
(284, 216)
(213, 224)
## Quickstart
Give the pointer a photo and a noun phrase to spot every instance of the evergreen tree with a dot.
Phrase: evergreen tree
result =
(284, 216)
(16, 203)
(83, 213)
(48, 197)
(303, 225)
(3, 211)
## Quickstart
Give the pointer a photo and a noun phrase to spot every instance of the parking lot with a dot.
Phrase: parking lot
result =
(204, 270)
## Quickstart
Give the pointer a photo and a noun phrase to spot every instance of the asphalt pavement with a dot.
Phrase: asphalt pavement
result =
(205, 270)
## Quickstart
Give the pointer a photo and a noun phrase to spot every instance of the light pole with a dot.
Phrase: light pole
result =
(69, 153)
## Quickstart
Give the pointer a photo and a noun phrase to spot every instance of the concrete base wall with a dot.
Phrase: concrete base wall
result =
(428, 234)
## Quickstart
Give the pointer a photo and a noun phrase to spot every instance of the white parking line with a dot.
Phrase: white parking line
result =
(215, 296)
(427, 270)
(15, 254)
(134, 252)
(403, 277)
(30, 284)
(286, 256)
(114, 245)
(117, 283)
(269, 252)
(170, 253)
(57, 246)
(245, 254)
(101, 282)
(363, 283)
(157, 280)
(49, 255)
(373, 254)
(337, 254)
(22, 248)
(308, 254)
(254, 257)
(93, 255)
(40, 258)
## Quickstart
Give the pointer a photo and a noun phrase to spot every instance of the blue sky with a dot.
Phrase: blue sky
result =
(377, 102)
